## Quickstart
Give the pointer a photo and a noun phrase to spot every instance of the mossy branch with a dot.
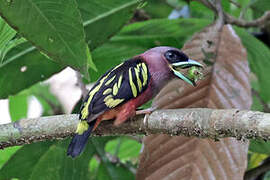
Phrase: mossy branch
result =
(198, 122)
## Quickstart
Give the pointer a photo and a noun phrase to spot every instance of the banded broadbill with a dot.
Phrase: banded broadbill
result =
(118, 93)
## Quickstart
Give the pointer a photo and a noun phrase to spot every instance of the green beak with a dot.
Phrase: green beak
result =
(184, 65)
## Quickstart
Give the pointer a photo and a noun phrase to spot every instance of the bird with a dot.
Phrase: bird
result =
(121, 90)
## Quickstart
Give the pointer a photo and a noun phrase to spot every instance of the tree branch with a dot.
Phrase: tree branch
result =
(261, 21)
(204, 123)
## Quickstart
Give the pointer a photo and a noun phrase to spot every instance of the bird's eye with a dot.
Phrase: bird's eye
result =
(174, 56)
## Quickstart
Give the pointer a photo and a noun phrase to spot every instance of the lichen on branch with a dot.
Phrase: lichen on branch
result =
(198, 122)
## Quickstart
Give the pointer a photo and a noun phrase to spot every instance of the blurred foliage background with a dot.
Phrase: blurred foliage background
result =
(40, 38)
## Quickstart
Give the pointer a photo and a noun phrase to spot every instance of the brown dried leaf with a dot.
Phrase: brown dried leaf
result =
(226, 85)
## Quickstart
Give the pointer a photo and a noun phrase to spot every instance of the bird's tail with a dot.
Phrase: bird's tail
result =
(79, 141)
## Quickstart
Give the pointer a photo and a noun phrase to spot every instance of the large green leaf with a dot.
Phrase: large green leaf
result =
(18, 106)
(198, 10)
(123, 147)
(160, 32)
(118, 172)
(108, 12)
(48, 160)
(138, 37)
(258, 57)
(259, 146)
(103, 18)
(111, 54)
(108, 170)
(21, 164)
(6, 34)
(54, 26)
(158, 8)
(23, 67)
(6, 154)
(259, 7)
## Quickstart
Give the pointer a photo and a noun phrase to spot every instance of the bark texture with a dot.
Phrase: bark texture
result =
(198, 122)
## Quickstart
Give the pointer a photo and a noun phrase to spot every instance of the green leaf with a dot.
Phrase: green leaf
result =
(124, 147)
(258, 57)
(256, 159)
(25, 66)
(93, 167)
(160, 32)
(7, 39)
(135, 38)
(103, 18)
(112, 54)
(107, 170)
(259, 7)
(50, 103)
(18, 106)
(109, 16)
(21, 164)
(119, 172)
(198, 10)
(48, 160)
(158, 9)
(58, 29)
(259, 146)
(5, 154)
(6, 34)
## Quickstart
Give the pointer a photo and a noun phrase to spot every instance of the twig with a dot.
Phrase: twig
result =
(220, 20)
(115, 160)
(235, 3)
(200, 122)
(261, 21)
(57, 109)
(255, 172)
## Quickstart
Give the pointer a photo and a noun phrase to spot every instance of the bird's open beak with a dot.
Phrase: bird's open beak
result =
(184, 65)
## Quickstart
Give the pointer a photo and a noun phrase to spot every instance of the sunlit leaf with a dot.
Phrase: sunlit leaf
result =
(58, 29)
(18, 106)
(258, 57)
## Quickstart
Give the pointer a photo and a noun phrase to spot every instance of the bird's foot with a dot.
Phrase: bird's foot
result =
(146, 111)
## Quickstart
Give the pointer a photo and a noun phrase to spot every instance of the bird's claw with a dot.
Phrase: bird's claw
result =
(145, 111)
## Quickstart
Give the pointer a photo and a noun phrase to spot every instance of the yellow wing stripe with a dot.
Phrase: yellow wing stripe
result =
(115, 89)
(118, 66)
(82, 127)
(107, 91)
(131, 83)
(120, 81)
(110, 80)
(138, 78)
(111, 103)
(85, 111)
(144, 73)
(108, 97)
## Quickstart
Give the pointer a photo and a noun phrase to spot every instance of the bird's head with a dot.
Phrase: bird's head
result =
(163, 59)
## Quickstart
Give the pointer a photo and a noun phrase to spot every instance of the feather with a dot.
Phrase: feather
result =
(115, 87)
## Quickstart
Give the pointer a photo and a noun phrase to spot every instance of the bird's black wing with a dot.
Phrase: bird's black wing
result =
(118, 85)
